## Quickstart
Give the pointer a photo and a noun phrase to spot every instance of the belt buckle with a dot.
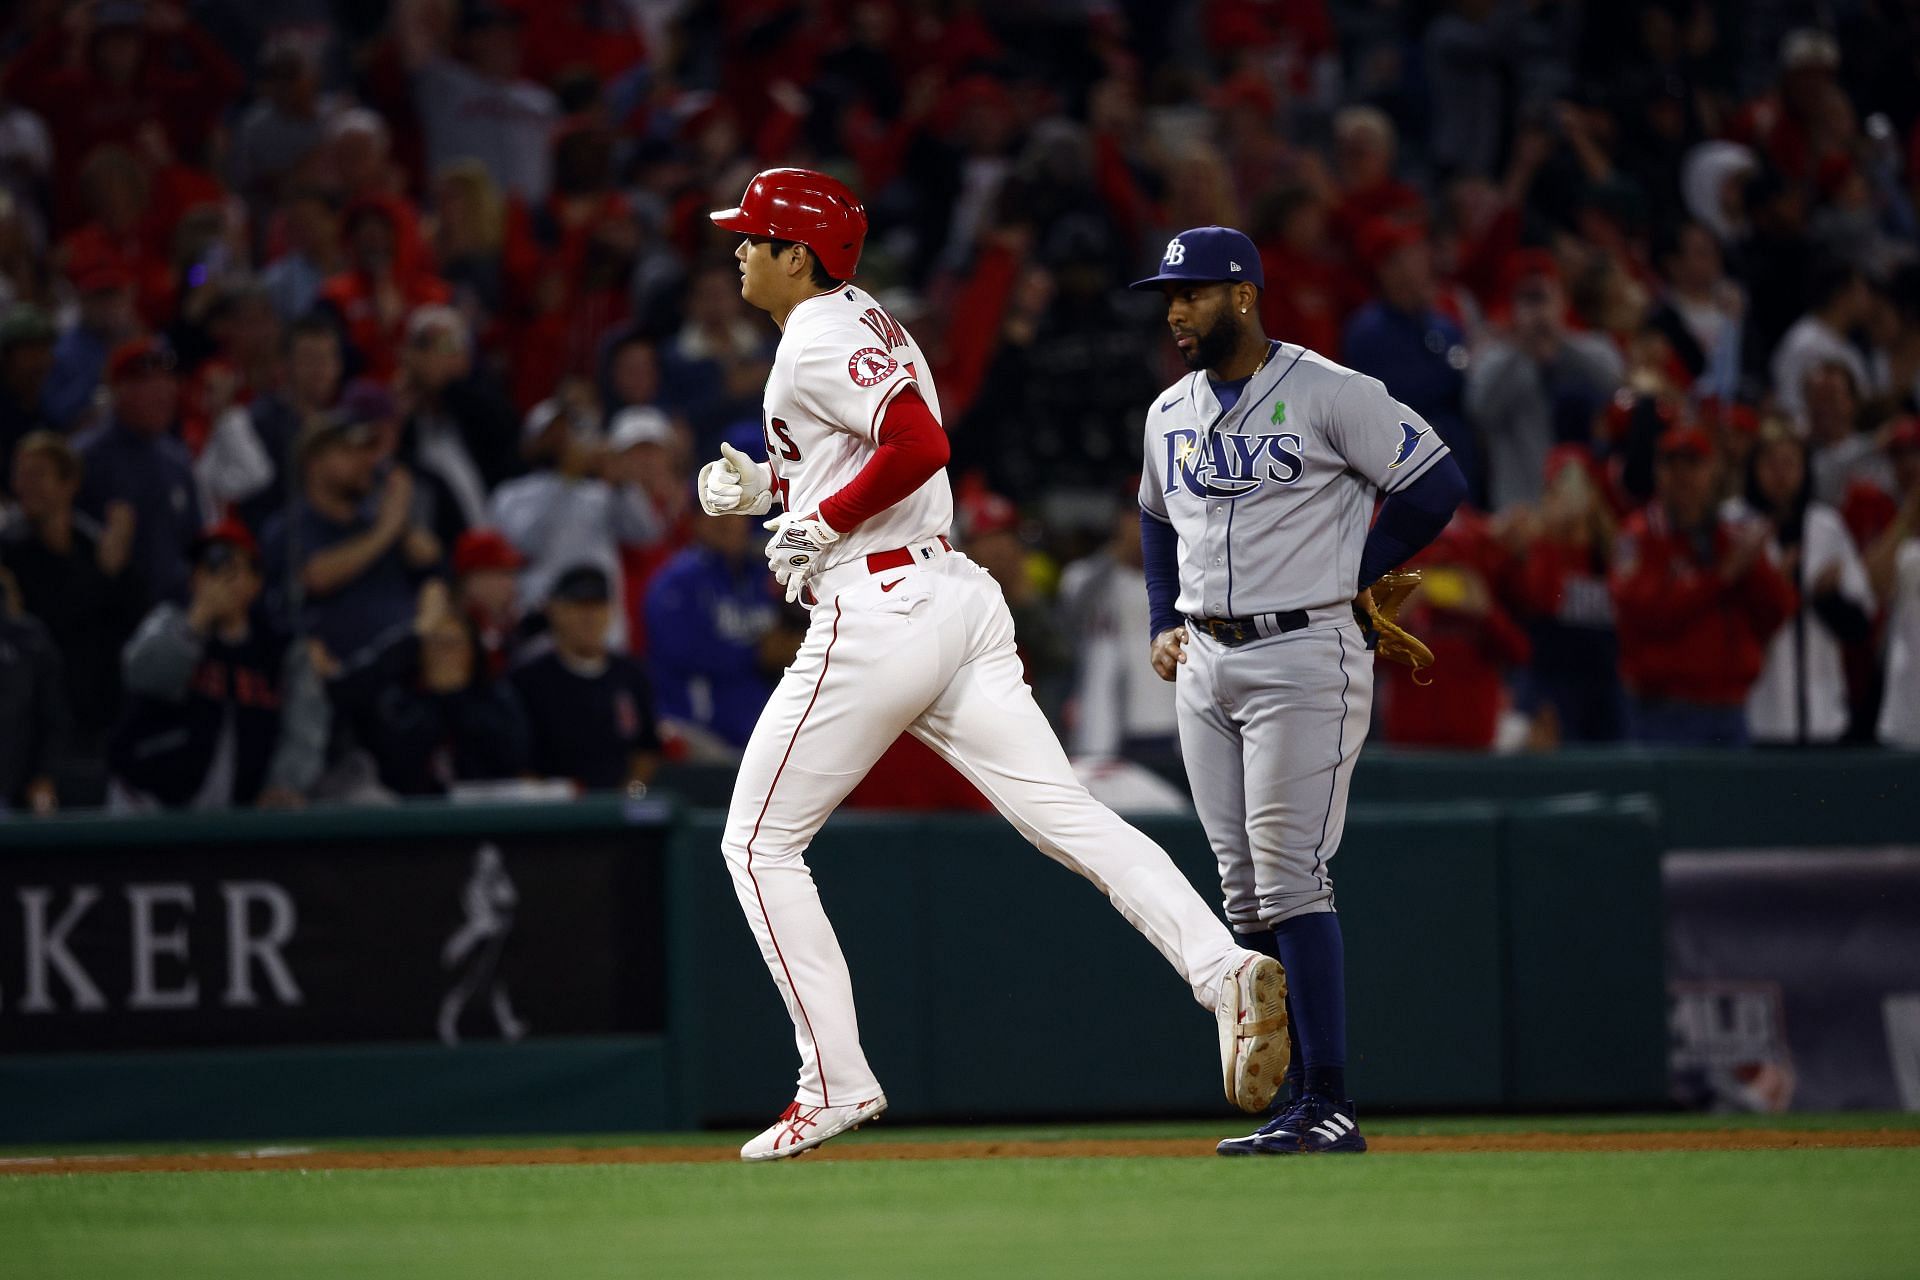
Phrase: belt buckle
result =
(1226, 632)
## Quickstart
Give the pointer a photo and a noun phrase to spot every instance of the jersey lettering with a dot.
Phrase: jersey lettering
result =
(1230, 466)
(885, 328)
(787, 448)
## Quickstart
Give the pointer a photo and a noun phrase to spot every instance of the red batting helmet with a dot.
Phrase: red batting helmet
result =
(799, 204)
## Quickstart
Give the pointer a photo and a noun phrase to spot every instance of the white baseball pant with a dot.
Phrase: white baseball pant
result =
(927, 648)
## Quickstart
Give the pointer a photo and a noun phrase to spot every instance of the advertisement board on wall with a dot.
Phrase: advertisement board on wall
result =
(1794, 978)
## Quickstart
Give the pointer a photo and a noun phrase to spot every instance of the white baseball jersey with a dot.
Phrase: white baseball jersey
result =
(841, 362)
(1272, 500)
(927, 648)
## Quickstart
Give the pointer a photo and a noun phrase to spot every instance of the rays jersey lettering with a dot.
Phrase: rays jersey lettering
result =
(1271, 500)
(1229, 466)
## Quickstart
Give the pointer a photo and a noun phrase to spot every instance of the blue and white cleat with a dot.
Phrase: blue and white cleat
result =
(1311, 1125)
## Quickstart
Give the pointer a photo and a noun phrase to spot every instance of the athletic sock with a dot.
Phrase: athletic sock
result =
(1311, 949)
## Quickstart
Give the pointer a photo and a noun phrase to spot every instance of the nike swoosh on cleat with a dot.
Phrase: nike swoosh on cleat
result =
(888, 586)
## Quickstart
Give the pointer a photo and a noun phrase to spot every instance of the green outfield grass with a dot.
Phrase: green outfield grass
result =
(1800, 1213)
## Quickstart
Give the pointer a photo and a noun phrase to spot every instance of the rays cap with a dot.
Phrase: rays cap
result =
(1208, 255)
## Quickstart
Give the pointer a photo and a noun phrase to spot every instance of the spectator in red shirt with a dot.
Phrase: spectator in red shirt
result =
(107, 68)
(569, 265)
(121, 234)
(1364, 147)
(1562, 587)
(1309, 291)
(385, 283)
(1698, 599)
(1475, 642)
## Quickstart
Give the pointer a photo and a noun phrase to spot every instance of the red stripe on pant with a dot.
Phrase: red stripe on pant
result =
(825, 660)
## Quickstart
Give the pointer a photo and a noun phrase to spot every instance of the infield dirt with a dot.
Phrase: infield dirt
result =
(292, 1159)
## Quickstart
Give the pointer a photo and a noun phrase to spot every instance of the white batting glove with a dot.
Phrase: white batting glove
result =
(736, 485)
(796, 548)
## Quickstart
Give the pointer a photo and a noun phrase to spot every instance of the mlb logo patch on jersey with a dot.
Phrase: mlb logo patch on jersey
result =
(870, 366)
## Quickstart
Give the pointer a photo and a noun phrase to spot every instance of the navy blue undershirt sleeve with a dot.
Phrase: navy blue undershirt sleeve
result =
(1410, 519)
(1160, 558)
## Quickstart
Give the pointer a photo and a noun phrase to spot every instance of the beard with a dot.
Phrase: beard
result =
(1215, 344)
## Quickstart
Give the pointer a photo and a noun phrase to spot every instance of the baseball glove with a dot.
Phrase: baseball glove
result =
(1391, 640)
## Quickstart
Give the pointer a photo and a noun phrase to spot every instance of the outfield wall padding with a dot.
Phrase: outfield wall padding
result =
(1504, 951)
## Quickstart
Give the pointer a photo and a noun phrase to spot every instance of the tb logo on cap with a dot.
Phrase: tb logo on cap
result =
(1176, 253)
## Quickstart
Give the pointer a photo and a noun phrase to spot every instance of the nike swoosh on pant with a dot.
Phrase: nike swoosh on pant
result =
(888, 586)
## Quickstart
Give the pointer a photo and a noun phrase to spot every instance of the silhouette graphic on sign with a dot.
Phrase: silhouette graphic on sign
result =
(489, 898)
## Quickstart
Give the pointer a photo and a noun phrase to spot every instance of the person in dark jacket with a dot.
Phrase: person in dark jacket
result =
(222, 711)
(135, 459)
(589, 709)
(75, 576)
(33, 711)
(424, 705)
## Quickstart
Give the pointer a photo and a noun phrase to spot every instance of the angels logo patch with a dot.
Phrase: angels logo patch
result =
(870, 366)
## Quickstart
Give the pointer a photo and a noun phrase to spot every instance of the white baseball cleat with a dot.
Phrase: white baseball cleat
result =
(1252, 1015)
(801, 1128)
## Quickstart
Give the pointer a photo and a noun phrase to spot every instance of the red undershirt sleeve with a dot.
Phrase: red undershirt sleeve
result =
(912, 446)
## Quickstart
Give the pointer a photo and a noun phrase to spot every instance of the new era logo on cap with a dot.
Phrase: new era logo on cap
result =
(1208, 254)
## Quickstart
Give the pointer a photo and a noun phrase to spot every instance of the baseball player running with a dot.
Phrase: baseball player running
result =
(1261, 470)
(906, 634)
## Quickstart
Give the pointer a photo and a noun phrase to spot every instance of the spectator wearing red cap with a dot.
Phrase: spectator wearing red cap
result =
(1403, 338)
(486, 588)
(1562, 587)
(1801, 694)
(1697, 599)
(106, 319)
(1538, 385)
(1458, 611)
(135, 459)
(73, 575)
(223, 712)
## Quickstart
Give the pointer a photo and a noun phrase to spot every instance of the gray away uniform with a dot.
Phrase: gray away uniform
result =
(1271, 503)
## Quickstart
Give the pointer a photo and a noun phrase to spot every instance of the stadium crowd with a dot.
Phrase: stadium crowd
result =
(355, 358)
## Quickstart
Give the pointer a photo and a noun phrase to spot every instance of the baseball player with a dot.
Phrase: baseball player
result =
(906, 634)
(1261, 470)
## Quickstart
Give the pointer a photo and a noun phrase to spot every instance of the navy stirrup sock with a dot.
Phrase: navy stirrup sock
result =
(1310, 948)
